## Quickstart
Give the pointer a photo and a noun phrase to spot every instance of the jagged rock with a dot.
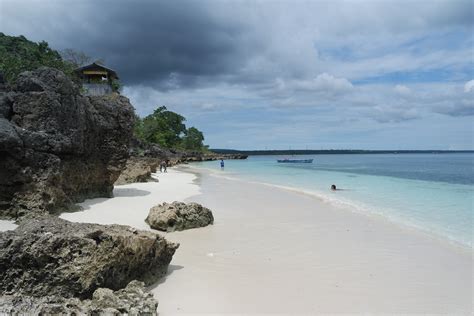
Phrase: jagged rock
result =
(51, 256)
(140, 148)
(138, 169)
(179, 216)
(132, 300)
(184, 157)
(144, 160)
(58, 147)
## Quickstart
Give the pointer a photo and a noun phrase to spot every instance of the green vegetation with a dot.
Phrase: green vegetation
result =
(17, 54)
(77, 58)
(167, 129)
(115, 84)
(163, 127)
(193, 139)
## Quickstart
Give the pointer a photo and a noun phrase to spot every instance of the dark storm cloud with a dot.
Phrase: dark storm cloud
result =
(178, 44)
(147, 42)
(280, 54)
(150, 41)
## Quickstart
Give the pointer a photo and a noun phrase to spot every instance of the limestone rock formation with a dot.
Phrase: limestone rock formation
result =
(138, 169)
(58, 147)
(139, 148)
(51, 256)
(132, 300)
(179, 216)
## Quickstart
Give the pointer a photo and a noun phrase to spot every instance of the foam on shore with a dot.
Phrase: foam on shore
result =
(340, 199)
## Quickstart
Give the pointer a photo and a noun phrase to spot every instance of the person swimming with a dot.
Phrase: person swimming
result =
(333, 187)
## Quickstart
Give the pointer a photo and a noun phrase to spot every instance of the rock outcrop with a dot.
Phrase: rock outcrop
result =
(140, 148)
(144, 160)
(138, 169)
(51, 256)
(58, 147)
(132, 300)
(197, 156)
(179, 216)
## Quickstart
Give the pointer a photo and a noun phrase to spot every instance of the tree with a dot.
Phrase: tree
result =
(75, 57)
(163, 127)
(193, 140)
(167, 129)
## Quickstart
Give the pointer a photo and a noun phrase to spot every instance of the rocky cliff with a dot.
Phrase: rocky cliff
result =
(58, 147)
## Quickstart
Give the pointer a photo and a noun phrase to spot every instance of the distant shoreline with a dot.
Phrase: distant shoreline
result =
(334, 152)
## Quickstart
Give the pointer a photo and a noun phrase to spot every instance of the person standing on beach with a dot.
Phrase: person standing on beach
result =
(163, 166)
(222, 163)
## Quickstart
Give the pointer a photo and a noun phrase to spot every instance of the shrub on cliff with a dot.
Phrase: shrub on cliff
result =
(17, 54)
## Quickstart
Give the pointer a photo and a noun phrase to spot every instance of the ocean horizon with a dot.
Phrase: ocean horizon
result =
(430, 192)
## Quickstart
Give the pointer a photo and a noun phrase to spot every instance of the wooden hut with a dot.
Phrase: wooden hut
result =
(97, 79)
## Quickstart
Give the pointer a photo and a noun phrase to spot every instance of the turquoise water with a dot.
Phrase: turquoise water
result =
(432, 192)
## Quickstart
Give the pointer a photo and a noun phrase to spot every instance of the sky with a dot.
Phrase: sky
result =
(295, 74)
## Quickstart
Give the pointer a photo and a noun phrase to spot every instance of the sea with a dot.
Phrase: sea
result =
(430, 192)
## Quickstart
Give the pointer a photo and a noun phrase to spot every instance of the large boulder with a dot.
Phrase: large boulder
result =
(179, 216)
(132, 300)
(58, 147)
(51, 256)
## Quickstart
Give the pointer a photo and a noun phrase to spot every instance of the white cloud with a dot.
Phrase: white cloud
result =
(391, 114)
(209, 106)
(327, 83)
(469, 86)
(324, 85)
(402, 90)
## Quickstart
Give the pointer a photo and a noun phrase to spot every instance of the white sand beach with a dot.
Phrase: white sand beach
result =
(276, 251)
(132, 202)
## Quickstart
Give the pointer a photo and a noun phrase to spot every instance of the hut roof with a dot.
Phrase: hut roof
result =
(96, 66)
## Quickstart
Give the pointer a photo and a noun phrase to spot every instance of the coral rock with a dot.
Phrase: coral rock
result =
(179, 216)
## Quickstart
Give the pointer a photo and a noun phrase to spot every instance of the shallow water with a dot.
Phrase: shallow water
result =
(432, 192)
